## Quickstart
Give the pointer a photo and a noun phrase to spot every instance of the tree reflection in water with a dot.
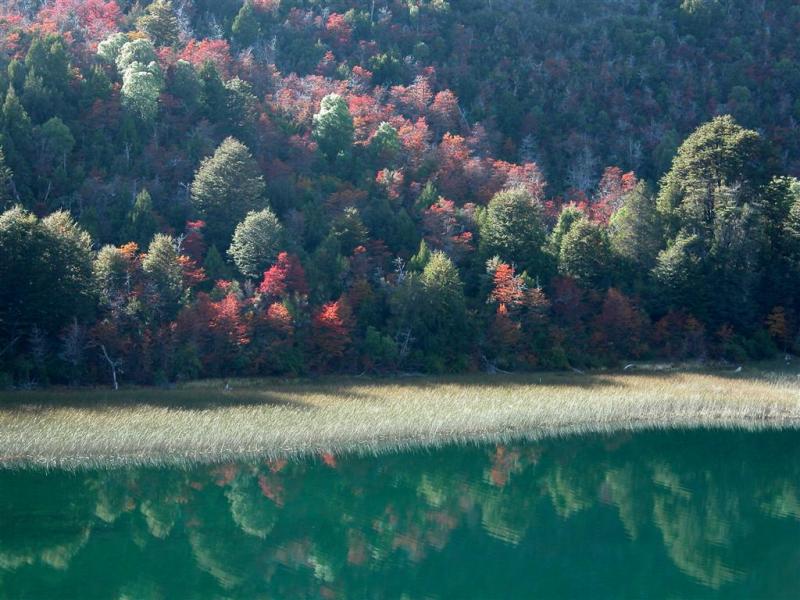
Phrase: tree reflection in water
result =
(703, 513)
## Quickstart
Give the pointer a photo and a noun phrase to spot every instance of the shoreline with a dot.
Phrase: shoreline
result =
(200, 422)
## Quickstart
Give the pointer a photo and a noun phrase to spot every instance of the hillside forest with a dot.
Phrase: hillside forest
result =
(297, 187)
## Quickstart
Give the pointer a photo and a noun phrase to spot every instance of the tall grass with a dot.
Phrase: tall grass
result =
(202, 422)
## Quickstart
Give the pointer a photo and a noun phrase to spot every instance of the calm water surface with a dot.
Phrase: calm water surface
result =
(681, 515)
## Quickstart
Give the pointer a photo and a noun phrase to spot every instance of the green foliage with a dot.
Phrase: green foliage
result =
(585, 254)
(164, 273)
(349, 230)
(333, 127)
(226, 187)
(160, 23)
(635, 231)
(245, 26)
(718, 154)
(45, 272)
(141, 219)
(256, 242)
(514, 230)
(109, 49)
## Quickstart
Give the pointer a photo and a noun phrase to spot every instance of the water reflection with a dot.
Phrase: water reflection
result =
(684, 514)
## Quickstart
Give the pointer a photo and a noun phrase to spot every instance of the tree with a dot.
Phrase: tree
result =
(635, 230)
(718, 154)
(716, 194)
(141, 219)
(139, 52)
(680, 282)
(164, 275)
(333, 127)
(245, 28)
(619, 329)
(330, 333)
(513, 229)
(45, 272)
(256, 242)
(226, 187)
(585, 254)
(160, 23)
(6, 181)
(109, 49)
(444, 332)
(284, 278)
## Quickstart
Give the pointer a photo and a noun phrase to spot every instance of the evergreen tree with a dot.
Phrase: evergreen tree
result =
(585, 254)
(160, 23)
(164, 274)
(141, 219)
(245, 28)
(513, 229)
(333, 127)
(45, 272)
(256, 242)
(226, 187)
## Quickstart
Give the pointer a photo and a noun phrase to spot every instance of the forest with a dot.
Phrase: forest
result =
(195, 189)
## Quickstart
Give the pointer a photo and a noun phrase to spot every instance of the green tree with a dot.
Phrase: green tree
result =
(160, 23)
(716, 193)
(635, 231)
(718, 154)
(445, 329)
(108, 50)
(226, 187)
(163, 272)
(349, 230)
(17, 141)
(6, 181)
(333, 127)
(139, 51)
(679, 277)
(585, 254)
(245, 26)
(45, 272)
(140, 91)
(141, 220)
(385, 146)
(256, 242)
(513, 229)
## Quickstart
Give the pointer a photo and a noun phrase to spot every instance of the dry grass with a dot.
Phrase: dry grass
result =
(267, 419)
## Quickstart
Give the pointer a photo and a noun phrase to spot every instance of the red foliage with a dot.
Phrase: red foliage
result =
(217, 51)
(192, 273)
(194, 244)
(509, 289)
(331, 328)
(613, 185)
(285, 277)
(414, 99)
(94, 20)
(453, 154)
(619, 330)
(415, 138)
(445, 228)
(678, 335)
(443, 111)
(504, 332)
(338, 29)
(226, 321)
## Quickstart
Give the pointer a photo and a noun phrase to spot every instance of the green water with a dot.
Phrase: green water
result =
(675, 515)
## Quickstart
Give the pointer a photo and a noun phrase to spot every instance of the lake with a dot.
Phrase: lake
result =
(681, 514)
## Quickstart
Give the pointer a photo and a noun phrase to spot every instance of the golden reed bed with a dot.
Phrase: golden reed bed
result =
(204, 422)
